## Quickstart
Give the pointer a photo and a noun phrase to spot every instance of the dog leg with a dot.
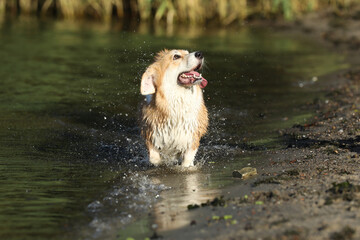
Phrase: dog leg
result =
(189, 156)
(154, 156)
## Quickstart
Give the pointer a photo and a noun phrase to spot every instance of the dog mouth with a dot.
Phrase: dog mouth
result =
(192, 78)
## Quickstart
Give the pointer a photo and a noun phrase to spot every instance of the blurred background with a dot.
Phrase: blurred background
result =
(201, 12)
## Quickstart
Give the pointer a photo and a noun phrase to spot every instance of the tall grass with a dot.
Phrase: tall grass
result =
(192, 11)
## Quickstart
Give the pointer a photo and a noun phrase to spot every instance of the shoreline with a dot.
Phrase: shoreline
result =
(310, 189)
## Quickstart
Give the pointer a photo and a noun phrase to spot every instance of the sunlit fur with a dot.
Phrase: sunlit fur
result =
(176, 117)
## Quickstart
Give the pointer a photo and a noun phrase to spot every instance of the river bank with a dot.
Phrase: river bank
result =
(310, 189)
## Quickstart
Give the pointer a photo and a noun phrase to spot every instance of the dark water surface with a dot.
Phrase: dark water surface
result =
(72, 165)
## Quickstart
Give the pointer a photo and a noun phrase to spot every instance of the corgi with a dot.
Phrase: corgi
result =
(174, 116)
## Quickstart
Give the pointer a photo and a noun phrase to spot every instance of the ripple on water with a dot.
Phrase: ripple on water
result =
(133, 194)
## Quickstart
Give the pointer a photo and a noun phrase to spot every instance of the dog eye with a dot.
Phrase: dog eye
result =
(176, 57)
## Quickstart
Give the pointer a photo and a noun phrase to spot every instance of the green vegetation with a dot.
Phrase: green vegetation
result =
(189, 11)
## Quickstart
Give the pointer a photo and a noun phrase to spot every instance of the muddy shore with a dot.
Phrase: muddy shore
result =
(310, 189)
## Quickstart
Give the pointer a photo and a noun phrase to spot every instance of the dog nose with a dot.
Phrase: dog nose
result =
(199, 55)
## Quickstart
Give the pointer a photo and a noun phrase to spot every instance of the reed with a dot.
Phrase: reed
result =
(144, 8)
(2, 7)
(190, 11)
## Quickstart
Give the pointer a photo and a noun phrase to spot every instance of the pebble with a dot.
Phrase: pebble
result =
(244, 173)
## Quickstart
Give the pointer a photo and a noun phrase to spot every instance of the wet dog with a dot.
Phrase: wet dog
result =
(174, 116)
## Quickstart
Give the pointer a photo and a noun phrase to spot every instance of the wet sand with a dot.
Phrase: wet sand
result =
(310, 189)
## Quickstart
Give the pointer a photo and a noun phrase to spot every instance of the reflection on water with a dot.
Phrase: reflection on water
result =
(165, 193)
(192, 188)
(71, 159)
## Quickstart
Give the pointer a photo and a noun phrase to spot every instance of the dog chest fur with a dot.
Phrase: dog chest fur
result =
(176, 134)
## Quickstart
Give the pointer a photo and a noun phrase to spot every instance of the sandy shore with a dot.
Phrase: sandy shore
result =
(311, 188)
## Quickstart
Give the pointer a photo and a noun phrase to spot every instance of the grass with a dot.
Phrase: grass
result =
(224, 12)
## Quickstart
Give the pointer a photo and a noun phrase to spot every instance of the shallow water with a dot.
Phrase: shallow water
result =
(72, 163)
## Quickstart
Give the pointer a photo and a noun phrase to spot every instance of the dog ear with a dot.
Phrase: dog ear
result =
(147, 81)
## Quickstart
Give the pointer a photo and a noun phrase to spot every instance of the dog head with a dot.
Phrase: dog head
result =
(172, 69)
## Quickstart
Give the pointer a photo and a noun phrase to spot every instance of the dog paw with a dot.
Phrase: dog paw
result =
(155, 163)
(187, 165)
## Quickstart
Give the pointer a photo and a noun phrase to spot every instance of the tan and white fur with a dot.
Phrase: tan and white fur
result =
(174, 117)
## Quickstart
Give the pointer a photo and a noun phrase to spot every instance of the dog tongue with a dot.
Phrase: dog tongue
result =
(203, 83)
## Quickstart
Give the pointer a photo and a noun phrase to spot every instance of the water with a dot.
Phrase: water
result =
(72, 164)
